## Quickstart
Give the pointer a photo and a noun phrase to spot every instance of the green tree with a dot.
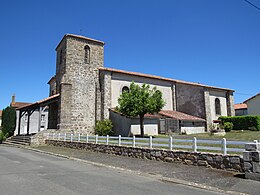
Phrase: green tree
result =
(139, 101)
(8, 121)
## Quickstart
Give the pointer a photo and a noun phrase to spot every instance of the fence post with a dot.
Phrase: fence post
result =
(71, 137)
(150, 142)
(133, 141)
(107, 140)
(65, 138)
(170, 142)
(194, 144)
(119, 140)
(224, 146)
(87, 138)
(79, 138)
(96, 138)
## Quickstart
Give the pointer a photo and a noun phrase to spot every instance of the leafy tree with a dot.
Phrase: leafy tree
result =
(8, 121)
(139, 101)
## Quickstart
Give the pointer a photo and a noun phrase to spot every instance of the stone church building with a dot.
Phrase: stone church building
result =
(84, 91)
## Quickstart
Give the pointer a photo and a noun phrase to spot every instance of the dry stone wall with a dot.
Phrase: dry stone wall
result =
(227, 162)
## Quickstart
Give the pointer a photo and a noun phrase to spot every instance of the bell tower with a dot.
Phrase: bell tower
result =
(77, 78)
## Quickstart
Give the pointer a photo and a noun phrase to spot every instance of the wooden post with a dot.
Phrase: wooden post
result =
(170, 142)
(28, 122)
(39, 119)
(19, 122)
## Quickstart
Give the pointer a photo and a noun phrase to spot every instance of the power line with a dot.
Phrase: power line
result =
(252, 5)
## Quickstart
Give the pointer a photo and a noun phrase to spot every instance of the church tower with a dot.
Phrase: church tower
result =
(77, 82)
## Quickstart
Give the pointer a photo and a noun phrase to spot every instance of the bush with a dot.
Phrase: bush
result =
(8, 121)
(228, 126)
(242, 122)
(104, 127)
(2, 137)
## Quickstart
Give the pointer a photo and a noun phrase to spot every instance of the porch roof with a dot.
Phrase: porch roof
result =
(42, 102)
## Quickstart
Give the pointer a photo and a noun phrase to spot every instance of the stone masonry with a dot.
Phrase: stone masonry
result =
(78, 83)
(218, 161)
(252, 161)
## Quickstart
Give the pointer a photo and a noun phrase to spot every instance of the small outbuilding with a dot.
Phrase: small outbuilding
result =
(164, 122)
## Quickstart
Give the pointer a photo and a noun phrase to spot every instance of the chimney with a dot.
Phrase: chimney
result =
(13, 98)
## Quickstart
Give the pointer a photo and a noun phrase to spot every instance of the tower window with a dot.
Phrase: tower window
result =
(60, 56)
(125, 89)
(217, 106)
(87, 54)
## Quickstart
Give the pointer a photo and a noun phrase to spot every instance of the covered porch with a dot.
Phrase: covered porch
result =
(37, 116)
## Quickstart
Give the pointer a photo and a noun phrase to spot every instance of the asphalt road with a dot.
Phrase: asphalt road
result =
(28, 172)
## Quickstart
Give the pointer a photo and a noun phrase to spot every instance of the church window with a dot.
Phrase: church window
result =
(125, 89)
(217, 106)
(87, 54)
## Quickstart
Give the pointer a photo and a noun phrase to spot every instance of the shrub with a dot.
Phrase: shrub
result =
(242, 122)
(2, 137)
(8, 121)
(228, 126)
(104, 127)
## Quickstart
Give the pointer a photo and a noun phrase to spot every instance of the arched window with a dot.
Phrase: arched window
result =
(87, 54)
(125, 89)
(217, 106)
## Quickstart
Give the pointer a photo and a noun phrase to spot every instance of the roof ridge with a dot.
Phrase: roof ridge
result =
(161, 78)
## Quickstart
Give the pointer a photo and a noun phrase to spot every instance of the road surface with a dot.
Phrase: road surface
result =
(27, 172)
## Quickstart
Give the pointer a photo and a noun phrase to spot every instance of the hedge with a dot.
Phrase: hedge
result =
(242, 122)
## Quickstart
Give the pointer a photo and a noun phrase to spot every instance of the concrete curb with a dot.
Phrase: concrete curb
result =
(158, 177)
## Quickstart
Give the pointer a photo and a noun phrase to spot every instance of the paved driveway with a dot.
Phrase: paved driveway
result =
(28, 172)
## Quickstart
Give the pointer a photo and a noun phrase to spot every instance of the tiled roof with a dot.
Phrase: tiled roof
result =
(170, 114)
(251, 98)
(81, 37)
(19, 104)
(240, 106)
(159, 78)
(1, 113)
(41, 101)
(180, 115)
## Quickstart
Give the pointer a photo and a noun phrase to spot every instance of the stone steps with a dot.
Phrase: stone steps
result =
(22, 140)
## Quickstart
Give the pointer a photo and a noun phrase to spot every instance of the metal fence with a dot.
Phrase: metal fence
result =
(171, 143)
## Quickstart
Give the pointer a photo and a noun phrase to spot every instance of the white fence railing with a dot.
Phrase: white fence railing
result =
(196, 145)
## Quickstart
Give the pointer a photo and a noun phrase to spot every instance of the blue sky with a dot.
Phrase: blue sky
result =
(214, 42)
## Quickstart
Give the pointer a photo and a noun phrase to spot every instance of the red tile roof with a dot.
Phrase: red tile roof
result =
(170, 114)
(16, 105)
(81, 37)
(160, 78)
(251, 98)
(240, 106)
(41, 101)
(180, 115)
(1, 113)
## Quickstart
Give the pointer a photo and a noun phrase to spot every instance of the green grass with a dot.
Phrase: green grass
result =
(233, 135)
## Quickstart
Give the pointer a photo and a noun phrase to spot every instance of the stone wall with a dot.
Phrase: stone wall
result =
(252, 161)
(190, 100)
(228, 162)
(78, 83)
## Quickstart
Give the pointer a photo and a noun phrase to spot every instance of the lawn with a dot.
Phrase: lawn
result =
(233, 135)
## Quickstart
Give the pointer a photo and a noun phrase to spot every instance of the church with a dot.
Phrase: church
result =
(83, 91)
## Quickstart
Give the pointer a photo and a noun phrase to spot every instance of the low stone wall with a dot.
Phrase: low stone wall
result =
(227, 162)
(252, 161)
